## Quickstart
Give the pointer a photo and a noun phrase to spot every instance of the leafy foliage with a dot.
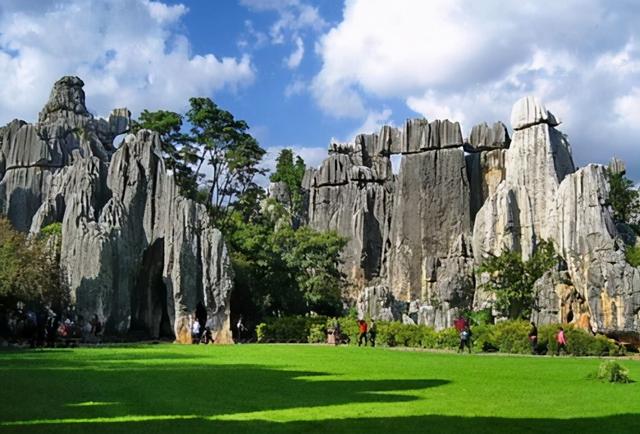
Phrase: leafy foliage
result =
(222, 142)
(624, 198)
(29, 269)
(176, 150)
(216, 141)
(283, 271)
(612, 372)
(291, 174)
(632, 254)
(511, 279)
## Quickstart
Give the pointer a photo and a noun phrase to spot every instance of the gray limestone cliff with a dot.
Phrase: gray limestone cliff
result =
(416, 237)
(133, 250)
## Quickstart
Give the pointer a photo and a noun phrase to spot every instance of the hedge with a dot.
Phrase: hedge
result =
(505, 337)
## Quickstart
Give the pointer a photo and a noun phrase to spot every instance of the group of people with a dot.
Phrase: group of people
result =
(42, 326)
(561, 340)
(200, 327)
(367, 332)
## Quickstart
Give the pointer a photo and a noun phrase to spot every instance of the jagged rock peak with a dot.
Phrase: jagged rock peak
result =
(336, 147)
(67, 95)
(617, 166)
(485, 138)
(421, 135)
(528, 111)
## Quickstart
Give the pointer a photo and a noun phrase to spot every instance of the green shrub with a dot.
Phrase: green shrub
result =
(317, 334)
(448, 339)
(512, 337)
(261, 332)
(53, 229)
(579, 342)
(632, 254)
(288, 328)
(612, 372)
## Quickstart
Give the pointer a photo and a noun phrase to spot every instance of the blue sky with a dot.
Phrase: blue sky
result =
(302, 72)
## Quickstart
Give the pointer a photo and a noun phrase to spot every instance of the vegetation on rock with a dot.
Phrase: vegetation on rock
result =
(29, 268)
(511, 279)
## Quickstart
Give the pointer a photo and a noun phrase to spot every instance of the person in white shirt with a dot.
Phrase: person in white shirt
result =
(195, 331)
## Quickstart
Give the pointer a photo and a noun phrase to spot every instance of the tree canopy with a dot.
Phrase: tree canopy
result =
(29, 268)
(511, 279)
(624, 198)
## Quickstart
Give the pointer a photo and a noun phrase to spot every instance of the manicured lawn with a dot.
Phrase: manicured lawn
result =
(305, 388)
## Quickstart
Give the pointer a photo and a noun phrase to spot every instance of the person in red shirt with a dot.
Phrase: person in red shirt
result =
(362, 337)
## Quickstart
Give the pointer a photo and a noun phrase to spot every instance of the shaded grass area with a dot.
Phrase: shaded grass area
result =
(305, 388)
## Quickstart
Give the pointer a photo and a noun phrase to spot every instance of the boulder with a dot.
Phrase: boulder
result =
(529, 111)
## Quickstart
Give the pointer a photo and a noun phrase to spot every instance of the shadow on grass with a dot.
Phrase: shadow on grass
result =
(165, 393)
(58, 394)
(619, 424)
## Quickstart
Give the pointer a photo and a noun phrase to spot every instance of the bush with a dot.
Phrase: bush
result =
(612, 372)
(448, 339)
(632, 254)
(289, 328)
(317, 334)
(579, 342)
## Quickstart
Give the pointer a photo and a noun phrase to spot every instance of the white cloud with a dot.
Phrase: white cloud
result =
(293, 61)
(471, 61)
(129, 53)
(296, 87)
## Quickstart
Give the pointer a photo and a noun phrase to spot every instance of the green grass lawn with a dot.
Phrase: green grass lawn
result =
(306, 388)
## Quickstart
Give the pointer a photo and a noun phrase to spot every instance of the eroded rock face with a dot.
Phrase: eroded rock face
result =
(65, 133)
(587, 238)
(134, 251)
(393, 222)
(446, 212)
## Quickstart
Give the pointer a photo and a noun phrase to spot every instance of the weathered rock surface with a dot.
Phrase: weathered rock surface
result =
(486, 138)
(520, 213)
(514, 193)
(485, 171)
(588, 240)
(65, 132)
(528, 111)
(134, 251)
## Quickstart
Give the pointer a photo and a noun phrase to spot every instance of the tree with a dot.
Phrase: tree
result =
(29, 268)
(177, 150)
(233, 155)
(624, 198)
(283, 271)
(511, 279)
(290, 173)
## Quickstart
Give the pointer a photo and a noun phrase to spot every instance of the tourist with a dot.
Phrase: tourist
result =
(373, 331)
(240, 328)
(96, 325)
(561, 341)
(195, 331)
(465, 339)
(362, 337)
(533, 338)
(337, 333)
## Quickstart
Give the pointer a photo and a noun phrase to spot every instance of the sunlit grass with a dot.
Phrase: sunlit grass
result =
(305, 388)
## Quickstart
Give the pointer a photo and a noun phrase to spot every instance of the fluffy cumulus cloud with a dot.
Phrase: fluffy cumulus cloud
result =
(472, 60)
(129, 53)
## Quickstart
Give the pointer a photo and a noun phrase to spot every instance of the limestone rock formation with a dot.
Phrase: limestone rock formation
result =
(529, 111)
(521, 213)
(587, 238)
(416, 237)
(134, 251)
(486, 138)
